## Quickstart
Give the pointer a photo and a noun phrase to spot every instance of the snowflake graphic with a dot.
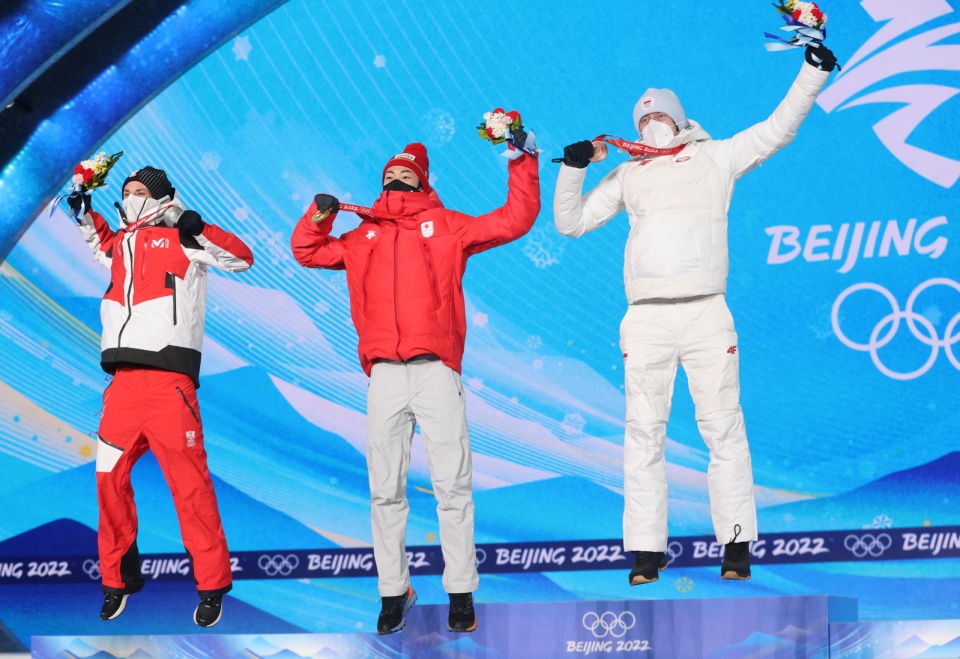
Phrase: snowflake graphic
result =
(480, 319)
(881, 522)
(534, 342)
(573, 423)
(543, 247)
(338, 282)
(439, 127)
(684, 584)
(241, 214)
(210, 160)
(86, 451)
(380, 62)
(537, 364)
(241, 48)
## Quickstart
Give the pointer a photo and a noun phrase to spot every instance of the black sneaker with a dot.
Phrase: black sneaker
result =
(393, 611)
(113, 605)
(646, 569)
(209, 611)
(462, 617)
(736, 561)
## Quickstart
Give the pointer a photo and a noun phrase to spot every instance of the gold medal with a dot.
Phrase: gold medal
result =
(320, 216)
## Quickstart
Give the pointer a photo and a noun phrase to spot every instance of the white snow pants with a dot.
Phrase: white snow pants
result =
(401, 395)
(655, 337)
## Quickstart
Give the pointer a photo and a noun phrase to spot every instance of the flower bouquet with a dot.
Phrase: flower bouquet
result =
(499, 126)
(805, 19)
(87, 177)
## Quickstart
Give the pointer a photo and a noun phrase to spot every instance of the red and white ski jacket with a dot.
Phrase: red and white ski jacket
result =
(153, 311)
(405, 276)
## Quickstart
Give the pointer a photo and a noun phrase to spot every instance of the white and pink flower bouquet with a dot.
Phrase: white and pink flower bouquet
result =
(805, 19)
(498, 125)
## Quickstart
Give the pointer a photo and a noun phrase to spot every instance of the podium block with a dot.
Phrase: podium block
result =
(674, 629)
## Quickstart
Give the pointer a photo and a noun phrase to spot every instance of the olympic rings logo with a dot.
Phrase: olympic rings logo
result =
(674, 549)
(278, 564)
(887, 327)
(92, 569)
(602, 624)
(481, 556)
(868, 544)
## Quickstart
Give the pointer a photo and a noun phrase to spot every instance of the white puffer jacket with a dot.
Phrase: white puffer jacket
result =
(677, 205)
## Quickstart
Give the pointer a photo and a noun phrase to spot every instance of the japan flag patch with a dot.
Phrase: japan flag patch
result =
(426, 229)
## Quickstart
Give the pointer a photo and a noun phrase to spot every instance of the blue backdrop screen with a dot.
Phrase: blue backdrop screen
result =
(843, 287)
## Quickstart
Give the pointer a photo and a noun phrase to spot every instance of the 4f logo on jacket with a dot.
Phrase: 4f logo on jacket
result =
(877, 61)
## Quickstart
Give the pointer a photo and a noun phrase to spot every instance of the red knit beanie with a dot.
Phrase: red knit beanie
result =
(414, 157)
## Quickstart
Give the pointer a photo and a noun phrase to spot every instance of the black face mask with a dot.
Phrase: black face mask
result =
(396, 185)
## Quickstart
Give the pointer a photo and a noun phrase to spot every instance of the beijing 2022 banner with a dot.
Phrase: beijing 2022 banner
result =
(844, 285)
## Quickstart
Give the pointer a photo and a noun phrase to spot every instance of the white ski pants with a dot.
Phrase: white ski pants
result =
(401, 395)
(655, 337)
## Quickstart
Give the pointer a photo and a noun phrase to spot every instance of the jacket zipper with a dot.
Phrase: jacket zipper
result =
(170, 281)
(129, 294)
(433, 279)
(396, 284)
(363, 280)
(196, 417)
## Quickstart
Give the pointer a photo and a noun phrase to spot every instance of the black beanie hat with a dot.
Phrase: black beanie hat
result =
(156, 181)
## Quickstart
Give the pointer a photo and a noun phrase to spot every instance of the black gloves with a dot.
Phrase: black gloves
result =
(78, 200)
(519, 137)
(821, 57)
(190, 223)
(326, 202)
(578, 154)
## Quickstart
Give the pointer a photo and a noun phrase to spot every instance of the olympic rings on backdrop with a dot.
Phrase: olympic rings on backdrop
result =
(278, 564)
(887, 327)
(868, 544)
(610, 623)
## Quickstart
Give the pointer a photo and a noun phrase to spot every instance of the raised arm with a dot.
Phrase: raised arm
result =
(209, 244)
(311, 242)
(98, 235)
(575, 213)
(516, 217)
(749, 148)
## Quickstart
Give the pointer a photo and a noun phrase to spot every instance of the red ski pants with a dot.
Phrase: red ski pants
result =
(156, 410)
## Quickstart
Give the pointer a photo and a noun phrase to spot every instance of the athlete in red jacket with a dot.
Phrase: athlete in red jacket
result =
(405, 265)
(152, 314)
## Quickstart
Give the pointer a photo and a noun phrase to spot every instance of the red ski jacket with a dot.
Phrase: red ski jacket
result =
(153, 310)
(405, 276)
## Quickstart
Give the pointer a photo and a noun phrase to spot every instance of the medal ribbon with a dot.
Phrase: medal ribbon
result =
(637, 148)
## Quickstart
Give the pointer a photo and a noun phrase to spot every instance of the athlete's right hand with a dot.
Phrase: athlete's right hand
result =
(578, 154)
(78, 200)
(326, 205)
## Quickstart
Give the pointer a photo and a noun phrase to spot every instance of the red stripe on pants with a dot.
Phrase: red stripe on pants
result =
(157, 410)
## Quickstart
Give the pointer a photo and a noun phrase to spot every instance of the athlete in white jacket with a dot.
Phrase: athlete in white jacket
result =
(675, 273)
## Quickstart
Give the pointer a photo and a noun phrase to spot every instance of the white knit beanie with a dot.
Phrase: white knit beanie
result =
(659, 100)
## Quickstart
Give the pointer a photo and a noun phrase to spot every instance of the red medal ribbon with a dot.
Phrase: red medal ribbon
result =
(637, 148)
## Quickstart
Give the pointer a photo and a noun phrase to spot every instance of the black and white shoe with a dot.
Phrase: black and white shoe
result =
(209, 611)
(647, 567)
(462, 617)
(393, 611)
(113, 605)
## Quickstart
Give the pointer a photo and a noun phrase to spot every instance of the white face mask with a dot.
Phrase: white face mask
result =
(657, 134)
(136, 208)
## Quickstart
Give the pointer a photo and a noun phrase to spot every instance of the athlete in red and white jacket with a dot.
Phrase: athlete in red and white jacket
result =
(406, 297)
(153, 315)
(153, 311)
